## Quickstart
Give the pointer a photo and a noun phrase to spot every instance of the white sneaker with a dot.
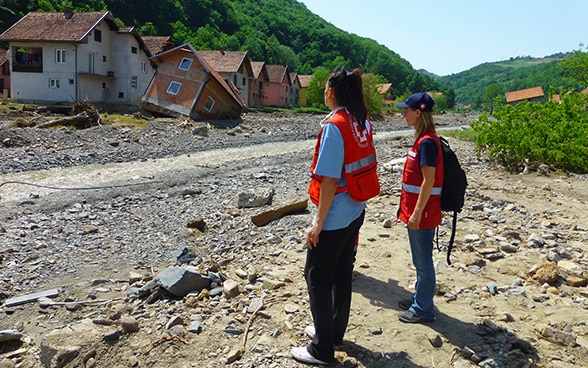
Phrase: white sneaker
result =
(302, 355)
(310, 332)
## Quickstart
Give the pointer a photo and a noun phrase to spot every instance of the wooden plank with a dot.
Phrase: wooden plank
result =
(266, 217)
(51, 293)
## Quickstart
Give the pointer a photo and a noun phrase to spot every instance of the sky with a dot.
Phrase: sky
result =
(451, 36)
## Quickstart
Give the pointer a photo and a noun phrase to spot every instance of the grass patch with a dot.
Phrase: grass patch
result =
(122, 120)
(461, 134)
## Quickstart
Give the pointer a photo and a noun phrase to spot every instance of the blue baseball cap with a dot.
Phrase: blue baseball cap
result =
(418, 101)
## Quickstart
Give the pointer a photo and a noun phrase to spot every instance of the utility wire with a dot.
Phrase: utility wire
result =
(78, 188)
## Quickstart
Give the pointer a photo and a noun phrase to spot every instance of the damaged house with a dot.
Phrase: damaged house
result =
(67, 57)
(185, 84)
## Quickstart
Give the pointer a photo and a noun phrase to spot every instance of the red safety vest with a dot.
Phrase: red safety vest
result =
(412, 178)
(359, 166)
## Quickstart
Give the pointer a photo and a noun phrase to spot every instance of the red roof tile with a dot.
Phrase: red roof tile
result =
(157, 44)
(225, 61)
(54, 27)
(524, 94)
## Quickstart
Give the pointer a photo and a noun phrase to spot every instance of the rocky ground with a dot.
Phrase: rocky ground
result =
(90, 218)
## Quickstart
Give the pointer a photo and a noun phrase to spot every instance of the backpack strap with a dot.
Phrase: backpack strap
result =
(452, 238)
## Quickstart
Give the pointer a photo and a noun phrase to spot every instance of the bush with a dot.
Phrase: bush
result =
(531, 134)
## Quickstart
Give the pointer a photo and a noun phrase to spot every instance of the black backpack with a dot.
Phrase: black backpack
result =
(454, 188)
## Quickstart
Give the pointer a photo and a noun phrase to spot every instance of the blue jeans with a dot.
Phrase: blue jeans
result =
(421, 247)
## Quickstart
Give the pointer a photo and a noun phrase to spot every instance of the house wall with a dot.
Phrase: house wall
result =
(277, 94)
(5, 78)
(35, 87)
(302, 101)
(240, 80)
(294, 93)
(192, 82)
(257, 91)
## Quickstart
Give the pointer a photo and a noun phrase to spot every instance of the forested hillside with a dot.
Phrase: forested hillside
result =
(482, 83)
(275, 31)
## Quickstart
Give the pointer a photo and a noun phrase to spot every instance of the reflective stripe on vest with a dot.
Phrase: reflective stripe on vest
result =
(360, 164)
(416, 189)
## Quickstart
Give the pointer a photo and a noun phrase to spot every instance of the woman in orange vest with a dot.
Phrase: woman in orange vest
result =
(344, 176)
(420, 204)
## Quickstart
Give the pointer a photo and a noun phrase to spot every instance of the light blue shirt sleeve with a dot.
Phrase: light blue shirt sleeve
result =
(331, 153)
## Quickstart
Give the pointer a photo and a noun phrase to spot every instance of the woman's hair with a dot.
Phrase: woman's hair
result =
(348, 90)
(424, 123)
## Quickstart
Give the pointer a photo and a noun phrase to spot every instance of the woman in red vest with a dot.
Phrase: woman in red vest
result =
(344, 157)
(420, 204)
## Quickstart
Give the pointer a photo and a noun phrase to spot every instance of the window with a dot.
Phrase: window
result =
(103, 58)
(53, 83)
(121, 95)
(28, 60)
(134, 82)
(244, 81)
(60, 56)
(143, 67)
(71, 81)
(185, 64)
(133, 50)
(98, 35)
(209, 104)
(174, 88)
(234, 79)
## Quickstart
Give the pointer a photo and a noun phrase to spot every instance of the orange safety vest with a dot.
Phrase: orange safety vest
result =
(412, 178)
(359, 167)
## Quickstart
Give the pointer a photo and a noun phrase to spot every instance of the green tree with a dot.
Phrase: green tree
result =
(575, 67)
(373, 99)
(493, 93)
(316, 86)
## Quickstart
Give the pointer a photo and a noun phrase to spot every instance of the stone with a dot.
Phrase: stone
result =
(435, 340)
(180, 281)
(230, 289)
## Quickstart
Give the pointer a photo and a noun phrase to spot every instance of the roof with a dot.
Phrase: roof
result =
(277, 73)
(304, 80)
(3, 58)
(294, 77)
(157, 44)
(524, 94)
(225, 61)
(54, 27)
(384, 88)
(258, 67)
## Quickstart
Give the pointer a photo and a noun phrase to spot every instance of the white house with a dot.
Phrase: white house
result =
(66, 57)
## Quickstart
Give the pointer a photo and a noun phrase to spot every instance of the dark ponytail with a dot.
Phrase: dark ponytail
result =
(348, 90)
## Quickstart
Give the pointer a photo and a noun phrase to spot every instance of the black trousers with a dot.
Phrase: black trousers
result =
(328, 273)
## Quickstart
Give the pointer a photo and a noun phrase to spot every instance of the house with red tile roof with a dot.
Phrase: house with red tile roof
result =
(4, 74)
(186, 84)
(234, 65)
(66, 57)
(277, 88)
(534, 94)
(257, 86)
(304, 81)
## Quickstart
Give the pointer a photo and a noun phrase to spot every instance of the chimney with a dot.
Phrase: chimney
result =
(68, 13)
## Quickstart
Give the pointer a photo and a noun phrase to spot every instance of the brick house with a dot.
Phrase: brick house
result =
(257, 86)
(277, 88)
(234, 65)
(65, 57)
(185, 84)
